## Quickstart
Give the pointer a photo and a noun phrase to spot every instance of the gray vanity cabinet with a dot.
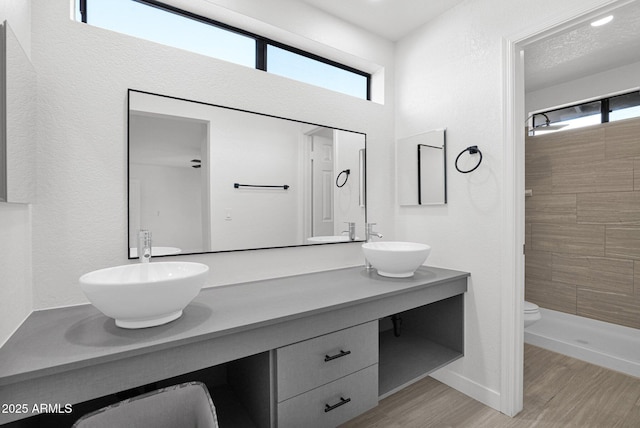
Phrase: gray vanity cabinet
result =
(328, 380)
(317, 360)
(332, 404)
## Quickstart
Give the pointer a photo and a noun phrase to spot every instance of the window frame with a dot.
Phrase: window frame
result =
(261, 58)
(604, 109)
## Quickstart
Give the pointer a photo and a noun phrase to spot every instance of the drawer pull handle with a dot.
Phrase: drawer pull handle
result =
(338, 355)
(342, 402)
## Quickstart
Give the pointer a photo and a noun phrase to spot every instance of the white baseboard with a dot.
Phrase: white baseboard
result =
(468, 387)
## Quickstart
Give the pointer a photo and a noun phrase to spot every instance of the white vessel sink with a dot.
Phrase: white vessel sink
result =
(157, 251)
(144, 294)
(330, 238)
(396, 259)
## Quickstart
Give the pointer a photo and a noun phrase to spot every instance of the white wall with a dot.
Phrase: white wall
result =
(18, 14)
(15, 219)
(449, 74)
(15, 267)
(83, 75)
(608, 82)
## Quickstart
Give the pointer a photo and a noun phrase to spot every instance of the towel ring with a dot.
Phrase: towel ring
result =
(346, 178)
(472, 151)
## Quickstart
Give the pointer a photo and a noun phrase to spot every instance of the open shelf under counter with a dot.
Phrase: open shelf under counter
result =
(407, 359)
(431, 336)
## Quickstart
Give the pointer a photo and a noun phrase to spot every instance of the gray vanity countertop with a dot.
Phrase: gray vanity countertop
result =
(57, 340)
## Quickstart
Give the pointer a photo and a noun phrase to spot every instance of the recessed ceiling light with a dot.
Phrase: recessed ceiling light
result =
(602, 21)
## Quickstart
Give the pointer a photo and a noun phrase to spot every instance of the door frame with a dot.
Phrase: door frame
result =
(512, 352)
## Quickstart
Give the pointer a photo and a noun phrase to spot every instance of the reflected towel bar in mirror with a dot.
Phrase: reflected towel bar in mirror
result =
(237, 186)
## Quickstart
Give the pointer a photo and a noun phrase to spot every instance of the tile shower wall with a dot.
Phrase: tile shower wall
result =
(583, 222)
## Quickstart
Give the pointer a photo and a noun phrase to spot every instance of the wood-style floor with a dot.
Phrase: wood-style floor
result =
(559, 392)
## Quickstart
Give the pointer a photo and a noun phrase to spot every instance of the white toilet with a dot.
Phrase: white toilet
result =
(531, 313)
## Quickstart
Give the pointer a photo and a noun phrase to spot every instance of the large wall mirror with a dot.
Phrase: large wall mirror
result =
(421, 165)
(207, 178)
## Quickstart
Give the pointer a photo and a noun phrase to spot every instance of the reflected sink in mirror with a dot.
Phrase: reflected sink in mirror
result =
(156, 251)
(396, 259)
(145, 294)
(331, 238)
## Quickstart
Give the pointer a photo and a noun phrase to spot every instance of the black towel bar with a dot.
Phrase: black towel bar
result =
(238, 185)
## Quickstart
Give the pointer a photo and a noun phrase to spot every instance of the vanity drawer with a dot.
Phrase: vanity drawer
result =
(333, 403)
(314, 362)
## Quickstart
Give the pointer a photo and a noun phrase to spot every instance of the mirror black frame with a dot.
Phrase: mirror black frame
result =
(363, 184)
(411, 173)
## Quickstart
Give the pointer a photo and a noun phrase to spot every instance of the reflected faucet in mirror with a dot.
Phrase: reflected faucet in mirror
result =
(144, 246)
(369, 232)
(351, 231)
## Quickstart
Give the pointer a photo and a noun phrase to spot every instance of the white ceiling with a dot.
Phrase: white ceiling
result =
(584, 50)
(391, 19)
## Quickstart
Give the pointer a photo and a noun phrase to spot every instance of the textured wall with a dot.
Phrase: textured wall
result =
(15, 267)
(583, 222)
(18, 14)
(80, 221)
(16, 297)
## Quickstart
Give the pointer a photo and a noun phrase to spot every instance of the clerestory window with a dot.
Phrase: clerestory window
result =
(607, 109)
(161, 23)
